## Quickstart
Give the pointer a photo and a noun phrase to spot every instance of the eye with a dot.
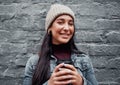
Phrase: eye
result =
(71, 23)
(60, 22)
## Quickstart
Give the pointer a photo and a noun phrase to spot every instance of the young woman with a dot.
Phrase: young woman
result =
(59, 61)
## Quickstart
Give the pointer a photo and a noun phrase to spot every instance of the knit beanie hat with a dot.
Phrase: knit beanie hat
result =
(56, 10)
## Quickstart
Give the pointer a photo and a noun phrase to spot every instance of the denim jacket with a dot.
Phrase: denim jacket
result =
(81, 62)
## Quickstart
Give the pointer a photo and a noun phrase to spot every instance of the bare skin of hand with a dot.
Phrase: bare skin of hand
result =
(64, 74)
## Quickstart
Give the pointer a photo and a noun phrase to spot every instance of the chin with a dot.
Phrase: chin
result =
(65, 41)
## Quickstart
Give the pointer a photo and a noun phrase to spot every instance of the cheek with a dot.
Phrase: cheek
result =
(72, 31)
(55, 33)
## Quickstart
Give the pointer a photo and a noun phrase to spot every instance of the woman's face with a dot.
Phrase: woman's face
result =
(62, 29)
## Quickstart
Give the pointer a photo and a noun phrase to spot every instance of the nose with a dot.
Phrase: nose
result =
(66, 26)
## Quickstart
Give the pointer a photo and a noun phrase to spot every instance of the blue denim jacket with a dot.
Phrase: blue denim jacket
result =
(81, 62)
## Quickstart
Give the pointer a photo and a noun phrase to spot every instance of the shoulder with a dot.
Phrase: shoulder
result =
(83, 59)
(30, 65)
(33, 60)
(82, 56)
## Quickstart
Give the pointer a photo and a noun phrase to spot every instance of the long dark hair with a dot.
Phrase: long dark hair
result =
(42, 68)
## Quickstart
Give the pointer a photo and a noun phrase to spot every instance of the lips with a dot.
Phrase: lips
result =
(65, 36)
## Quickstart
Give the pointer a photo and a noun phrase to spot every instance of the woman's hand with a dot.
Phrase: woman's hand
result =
(76, 77)
(64, 74)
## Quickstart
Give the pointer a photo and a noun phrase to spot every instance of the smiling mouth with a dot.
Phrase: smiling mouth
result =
(65, 36)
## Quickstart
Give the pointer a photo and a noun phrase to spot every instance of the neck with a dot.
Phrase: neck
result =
(61, 51)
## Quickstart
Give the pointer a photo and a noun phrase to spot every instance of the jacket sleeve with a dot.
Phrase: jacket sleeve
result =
(89, 78)
(29, 69)
(46, 83)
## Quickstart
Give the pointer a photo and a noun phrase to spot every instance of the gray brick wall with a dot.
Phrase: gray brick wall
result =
(22, 30)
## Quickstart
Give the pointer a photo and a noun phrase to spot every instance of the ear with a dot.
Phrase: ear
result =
(48, 31)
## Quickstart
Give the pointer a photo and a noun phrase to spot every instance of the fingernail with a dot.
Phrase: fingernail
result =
(64, 64)
(59, 69)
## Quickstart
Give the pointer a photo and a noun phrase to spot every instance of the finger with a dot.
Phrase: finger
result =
(77, 81)
(64, 71)
(64, 77)
(70, 67)
(67, 70)
(65, 82)
(58, 67)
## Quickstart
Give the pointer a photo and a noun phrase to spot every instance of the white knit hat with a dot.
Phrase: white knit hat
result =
(56, 10)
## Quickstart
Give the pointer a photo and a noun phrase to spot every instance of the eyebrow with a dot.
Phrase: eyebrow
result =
(63, 19)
